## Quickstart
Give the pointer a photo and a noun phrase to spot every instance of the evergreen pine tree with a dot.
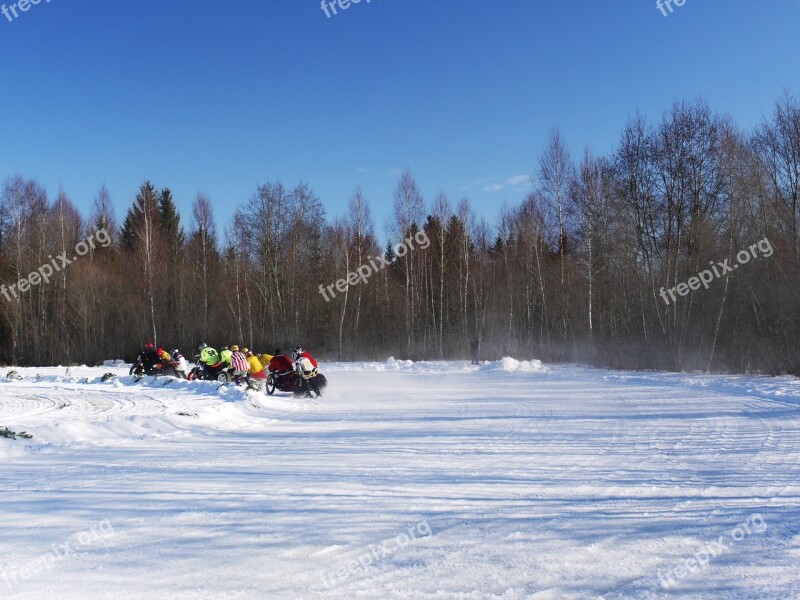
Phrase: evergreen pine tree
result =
(170, 224)
(390, 255)
(146, 200)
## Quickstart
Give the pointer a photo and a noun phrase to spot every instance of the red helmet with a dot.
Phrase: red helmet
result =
(149, 346)
(160, 351)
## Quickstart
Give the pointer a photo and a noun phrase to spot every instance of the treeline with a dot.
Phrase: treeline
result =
(576, 272)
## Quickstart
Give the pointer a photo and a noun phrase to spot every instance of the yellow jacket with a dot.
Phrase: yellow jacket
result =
(255, 364)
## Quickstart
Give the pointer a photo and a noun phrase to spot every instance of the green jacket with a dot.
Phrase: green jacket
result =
(226, 355)
(209, 356)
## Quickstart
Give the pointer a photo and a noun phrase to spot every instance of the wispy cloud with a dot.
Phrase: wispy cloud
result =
(497, 184)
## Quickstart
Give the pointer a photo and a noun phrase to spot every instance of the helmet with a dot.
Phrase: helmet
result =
(175, 352)
(150, 346)
(160, 351)
(247, 353)
(234, 348)
(203, 346)
(245, 350)
(297, 352)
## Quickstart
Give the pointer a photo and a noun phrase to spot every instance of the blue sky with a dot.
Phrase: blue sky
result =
(217, 97)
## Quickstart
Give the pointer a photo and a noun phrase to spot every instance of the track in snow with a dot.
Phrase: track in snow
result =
(567, 484)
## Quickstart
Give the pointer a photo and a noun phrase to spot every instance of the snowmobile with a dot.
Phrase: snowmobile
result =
(218, 372)
(291, 382)
(160, 369)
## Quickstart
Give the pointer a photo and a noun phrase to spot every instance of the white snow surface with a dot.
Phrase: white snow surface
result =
(406, 480)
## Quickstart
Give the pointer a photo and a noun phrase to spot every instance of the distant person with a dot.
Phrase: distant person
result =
(474, 347)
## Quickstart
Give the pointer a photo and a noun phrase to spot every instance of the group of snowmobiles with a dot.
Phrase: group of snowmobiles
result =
(298, 375)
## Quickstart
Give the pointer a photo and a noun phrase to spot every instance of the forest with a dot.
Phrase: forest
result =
(573, 272)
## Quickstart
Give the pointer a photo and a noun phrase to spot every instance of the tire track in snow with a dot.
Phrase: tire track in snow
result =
(24, 402)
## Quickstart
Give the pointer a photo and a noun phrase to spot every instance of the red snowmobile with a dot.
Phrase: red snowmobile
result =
(283, 378)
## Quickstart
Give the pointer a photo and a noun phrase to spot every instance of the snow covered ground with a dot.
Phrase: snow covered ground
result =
(427, 480)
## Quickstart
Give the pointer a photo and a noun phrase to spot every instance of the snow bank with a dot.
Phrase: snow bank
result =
(507, 365)
(397, 365)
(512, 365)
(114, 363)
(61, 406)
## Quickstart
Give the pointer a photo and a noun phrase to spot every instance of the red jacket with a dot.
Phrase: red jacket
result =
(311, 358)
(280, 363)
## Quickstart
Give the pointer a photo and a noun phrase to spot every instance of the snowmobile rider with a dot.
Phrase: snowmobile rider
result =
(225, 356)
(240, 365)
(306, 367)
(280, 365)
(209, 357)
(181, 365)
(256, 368)
(149, 357)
